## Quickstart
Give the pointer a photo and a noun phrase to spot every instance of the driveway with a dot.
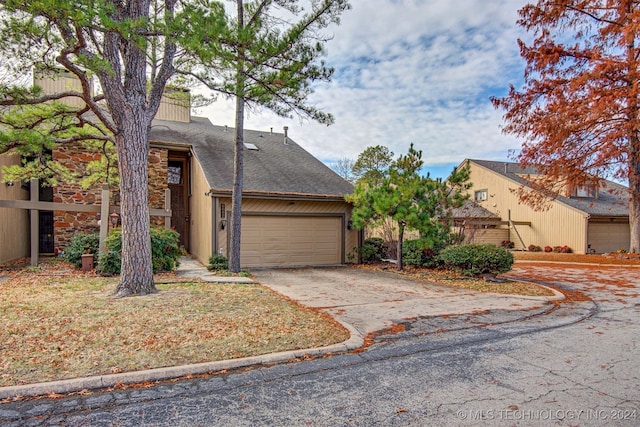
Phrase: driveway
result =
(371, 301)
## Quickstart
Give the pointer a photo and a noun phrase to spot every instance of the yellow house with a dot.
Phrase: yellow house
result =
(587, 219)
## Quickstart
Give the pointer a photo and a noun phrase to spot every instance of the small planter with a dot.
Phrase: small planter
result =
(87, 262)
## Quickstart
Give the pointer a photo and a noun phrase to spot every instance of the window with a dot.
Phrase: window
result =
(587, 191)
(480, 195)
(174, 175)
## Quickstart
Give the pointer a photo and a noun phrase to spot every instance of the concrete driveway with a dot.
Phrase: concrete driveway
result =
(371, 301)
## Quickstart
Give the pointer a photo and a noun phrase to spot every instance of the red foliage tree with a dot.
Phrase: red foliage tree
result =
(578, 110)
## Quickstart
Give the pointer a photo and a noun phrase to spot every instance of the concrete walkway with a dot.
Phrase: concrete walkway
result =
(362, 301)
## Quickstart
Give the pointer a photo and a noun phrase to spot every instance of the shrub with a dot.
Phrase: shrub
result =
(420, 253)
(373, 249)
(548, 248)
(562, 249)
(473, 260)
(534, 248)
(165, 251)
(218, 263)
(81, 243)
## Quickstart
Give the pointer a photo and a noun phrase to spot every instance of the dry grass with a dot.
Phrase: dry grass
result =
(450, 278)
(60, 324)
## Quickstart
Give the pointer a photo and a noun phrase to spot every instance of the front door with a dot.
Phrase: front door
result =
(178, 179)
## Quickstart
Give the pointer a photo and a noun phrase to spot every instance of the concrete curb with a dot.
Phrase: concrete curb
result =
(355, 341)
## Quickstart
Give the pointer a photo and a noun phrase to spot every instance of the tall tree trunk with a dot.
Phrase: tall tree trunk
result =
(238, 158)
(400, 239)
(136, 275)
(634, 196)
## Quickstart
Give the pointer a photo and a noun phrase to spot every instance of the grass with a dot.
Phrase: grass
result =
(63, 324)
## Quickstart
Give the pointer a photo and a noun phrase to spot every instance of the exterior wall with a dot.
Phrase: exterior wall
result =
(493, 236)
(290, 207)
(200, 206)
(560, 225)
(75, 158)
(58, 82)
(175, 106)
(14, 223)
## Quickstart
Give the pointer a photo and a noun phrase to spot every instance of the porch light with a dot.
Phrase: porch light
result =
(349, 225)
(114, 218)
(223, 224)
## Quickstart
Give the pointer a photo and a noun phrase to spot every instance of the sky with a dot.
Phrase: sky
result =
(410, 71)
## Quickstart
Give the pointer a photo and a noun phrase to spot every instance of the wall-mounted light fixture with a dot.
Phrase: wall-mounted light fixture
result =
(349, 225)
(114, 217)
(9, 183)
(223, 224)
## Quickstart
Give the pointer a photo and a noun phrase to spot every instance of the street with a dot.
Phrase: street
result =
(576, 364)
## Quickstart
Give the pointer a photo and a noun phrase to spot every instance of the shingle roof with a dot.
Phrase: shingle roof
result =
(612, 199)
(275, 167)
(471, 209)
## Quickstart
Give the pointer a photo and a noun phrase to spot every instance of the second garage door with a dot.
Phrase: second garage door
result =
(605, 237)
(287, 241)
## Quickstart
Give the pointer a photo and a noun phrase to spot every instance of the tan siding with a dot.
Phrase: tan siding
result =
(61, 82)
(493, 236)
(560, 225)
(14, 223)
(175, 108)
(201, 216)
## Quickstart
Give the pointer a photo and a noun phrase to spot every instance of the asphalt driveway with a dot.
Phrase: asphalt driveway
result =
(371, 301)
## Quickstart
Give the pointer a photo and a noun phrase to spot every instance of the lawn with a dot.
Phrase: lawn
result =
(59, 323)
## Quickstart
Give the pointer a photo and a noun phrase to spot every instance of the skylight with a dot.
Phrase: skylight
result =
(250, 146)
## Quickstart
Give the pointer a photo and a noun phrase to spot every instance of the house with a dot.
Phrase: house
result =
(588, 219)
(293, 212)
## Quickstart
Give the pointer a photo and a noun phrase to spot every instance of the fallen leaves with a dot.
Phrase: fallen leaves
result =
(75, 328)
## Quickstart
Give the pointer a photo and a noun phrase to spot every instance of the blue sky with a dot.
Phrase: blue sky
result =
(411, 71)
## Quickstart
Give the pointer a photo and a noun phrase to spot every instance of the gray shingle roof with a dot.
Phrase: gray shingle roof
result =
(471, 209)
(612, 200)
(274, 168)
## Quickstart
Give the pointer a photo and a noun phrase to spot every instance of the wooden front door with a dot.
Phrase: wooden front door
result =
(178, 180)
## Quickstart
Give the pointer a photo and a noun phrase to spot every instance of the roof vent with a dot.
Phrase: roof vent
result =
(286, 135)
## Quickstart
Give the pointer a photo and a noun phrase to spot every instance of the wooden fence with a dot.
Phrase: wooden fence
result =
(34, 206)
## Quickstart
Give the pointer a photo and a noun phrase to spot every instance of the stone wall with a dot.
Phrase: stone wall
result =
(76, 158)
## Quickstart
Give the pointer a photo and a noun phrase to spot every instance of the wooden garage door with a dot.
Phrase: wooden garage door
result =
(604, 237)
(287, 241)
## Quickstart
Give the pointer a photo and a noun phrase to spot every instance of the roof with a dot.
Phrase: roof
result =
(612, 200)
(472, 210)
(274, 168)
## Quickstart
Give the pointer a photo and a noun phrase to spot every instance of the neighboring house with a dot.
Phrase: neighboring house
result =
(587, 219)
(476, 224)
(293, 212)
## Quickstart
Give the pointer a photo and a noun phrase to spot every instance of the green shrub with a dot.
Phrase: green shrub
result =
(81, 243)
(420, 253)
(165, 251)
(474, 260)
(218, 263)
(372, 250)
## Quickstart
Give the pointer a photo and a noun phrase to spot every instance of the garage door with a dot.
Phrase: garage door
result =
(286, 241)
(605, 237)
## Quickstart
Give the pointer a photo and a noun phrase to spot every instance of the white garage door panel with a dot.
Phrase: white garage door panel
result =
(282, 241)
(609, 237)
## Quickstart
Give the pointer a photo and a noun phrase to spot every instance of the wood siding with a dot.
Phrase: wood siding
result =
(201, 230)
(14, 223)
(560, 225)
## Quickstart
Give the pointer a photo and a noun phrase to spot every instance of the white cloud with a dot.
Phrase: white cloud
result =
(411, 71)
